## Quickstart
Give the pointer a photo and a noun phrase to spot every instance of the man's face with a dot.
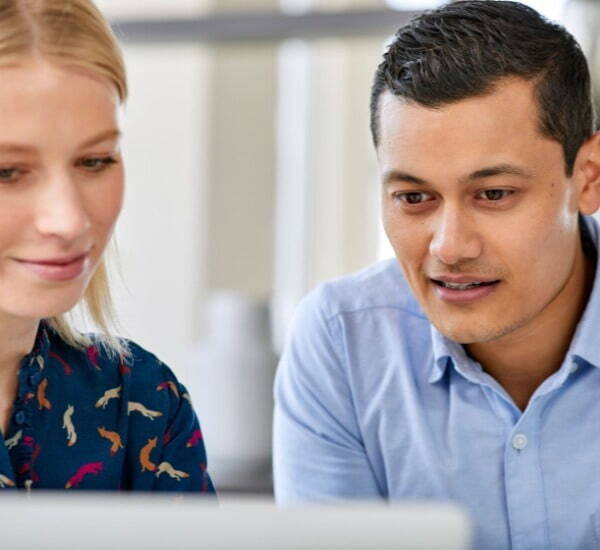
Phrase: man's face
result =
(479, 211)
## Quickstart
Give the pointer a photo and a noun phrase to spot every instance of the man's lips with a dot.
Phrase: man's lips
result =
(463, 279)
(457, 289)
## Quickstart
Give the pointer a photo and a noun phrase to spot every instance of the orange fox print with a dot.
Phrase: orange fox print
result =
(41, 395)
(165, 467)
(93, 468)
(168, 384)
(113, 437)
(145, 461)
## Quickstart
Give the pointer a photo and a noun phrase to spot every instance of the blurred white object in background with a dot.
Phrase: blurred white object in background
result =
(231, 383)
(97, 521)
(582, 18)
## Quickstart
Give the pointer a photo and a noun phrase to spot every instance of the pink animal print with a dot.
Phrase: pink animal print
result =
(167, 437)
(28, 441)
(92, 355)
(27, 467)
(168, 384)
(93, 468)
(123, 368)
(204, 488)
(196, 437)
(66, 367)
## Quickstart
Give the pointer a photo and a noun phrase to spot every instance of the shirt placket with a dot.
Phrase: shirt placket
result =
(524, 484)
(24, 452)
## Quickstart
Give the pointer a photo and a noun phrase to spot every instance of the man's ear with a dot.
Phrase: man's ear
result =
(587, 176)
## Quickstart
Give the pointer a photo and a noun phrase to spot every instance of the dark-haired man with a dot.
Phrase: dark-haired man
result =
(468, 369)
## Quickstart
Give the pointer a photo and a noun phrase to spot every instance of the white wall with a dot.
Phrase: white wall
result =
(159, 234)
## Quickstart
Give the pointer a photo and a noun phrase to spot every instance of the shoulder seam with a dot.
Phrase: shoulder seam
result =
(331, 317)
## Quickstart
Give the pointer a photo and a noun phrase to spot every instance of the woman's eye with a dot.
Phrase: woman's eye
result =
(495, 194)
(97, 164)
(8, 175)
(411, 198)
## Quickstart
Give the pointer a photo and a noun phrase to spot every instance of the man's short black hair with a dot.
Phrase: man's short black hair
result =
(465, 48)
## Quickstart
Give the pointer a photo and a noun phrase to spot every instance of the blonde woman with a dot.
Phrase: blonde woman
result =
(76, 411)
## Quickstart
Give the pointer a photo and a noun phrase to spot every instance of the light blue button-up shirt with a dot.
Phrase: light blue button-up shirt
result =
(373, 402)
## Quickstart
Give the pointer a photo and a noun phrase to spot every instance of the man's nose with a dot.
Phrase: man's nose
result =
(454, 238)
(61, 210)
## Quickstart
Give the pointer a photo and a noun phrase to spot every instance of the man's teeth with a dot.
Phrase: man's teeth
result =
(460, 286)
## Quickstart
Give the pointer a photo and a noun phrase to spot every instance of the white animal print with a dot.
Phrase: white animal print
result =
(175, 474)
(134, 406)
(108, 395)
(14, 440)
(68, 425)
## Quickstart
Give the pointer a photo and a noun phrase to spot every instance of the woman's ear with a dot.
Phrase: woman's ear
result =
(587, 176)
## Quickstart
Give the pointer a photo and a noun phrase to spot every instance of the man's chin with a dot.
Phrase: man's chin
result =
(470, 335)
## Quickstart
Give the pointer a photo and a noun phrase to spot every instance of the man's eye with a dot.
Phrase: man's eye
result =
(411, 198)
(495, 194)
(8, 175)
(97, 164)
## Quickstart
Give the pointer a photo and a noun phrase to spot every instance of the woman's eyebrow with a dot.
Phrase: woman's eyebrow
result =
(13, 147)
(113, 133)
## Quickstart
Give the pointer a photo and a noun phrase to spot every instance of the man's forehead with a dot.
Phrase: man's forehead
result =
(499, 128)
(509, 96)
(509, 111)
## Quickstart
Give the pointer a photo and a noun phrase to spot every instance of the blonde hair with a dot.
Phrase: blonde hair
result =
(76, 33)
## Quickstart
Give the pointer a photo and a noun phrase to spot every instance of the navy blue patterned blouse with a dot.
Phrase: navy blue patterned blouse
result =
(84, 420)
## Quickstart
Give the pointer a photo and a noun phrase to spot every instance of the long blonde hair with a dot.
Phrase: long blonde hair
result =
(76, 33)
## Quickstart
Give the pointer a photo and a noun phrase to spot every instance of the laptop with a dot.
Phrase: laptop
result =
(98, 521)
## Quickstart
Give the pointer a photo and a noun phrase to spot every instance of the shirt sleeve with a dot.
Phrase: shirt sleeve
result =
(182, 466)
(318, 451)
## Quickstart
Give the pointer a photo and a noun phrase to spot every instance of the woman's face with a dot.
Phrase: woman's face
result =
(61, 184)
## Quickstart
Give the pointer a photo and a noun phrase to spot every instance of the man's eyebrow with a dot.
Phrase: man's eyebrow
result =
(8, 147)
(498, 170)
(397, 176)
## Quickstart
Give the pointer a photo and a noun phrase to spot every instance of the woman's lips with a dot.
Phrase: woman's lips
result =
(464, 296)
(57, 270)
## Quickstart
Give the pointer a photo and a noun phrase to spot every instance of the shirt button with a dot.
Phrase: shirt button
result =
(519, 442)
(573, 367)
(20, 417)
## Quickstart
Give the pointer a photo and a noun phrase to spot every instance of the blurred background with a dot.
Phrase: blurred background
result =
(251, 179)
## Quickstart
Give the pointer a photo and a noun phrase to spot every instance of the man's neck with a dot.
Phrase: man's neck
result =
(522, 360)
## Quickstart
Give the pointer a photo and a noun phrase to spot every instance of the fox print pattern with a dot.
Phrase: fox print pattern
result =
(145, 452)
(68, 425)
(86, 418)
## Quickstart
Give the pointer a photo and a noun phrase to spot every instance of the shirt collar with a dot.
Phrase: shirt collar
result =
(39, 353)
(584, 344)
